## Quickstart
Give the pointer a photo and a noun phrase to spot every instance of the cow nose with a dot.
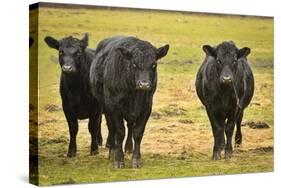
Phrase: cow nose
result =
(145, 85)
(67, 68)
(226, 79)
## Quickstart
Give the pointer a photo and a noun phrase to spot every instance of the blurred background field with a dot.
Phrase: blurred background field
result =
(178, 139)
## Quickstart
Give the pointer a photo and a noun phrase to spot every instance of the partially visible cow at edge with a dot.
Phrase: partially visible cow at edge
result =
(77, 101)
(225, 86)
(31, 40)
(123, 78)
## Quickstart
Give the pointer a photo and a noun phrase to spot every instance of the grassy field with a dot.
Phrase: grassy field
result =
(178, 140)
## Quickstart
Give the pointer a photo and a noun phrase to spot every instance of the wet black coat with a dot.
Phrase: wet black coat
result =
(115, 76)
(77, 100)
(210, 92)
(112, 79)
(225, 103)
(75, 89)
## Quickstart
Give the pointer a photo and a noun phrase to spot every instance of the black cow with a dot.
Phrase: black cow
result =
(225, 86)
(77, 100)
(123, 78)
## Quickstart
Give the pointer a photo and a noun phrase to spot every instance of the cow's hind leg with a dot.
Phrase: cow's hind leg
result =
(99, 139)
(129, 141)
(109, 128)
(229, 133)
(218, 126)
(110, 142)
(238, 135)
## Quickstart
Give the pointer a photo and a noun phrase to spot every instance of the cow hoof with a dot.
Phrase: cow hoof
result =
(100, 143)
(111, 154)
(228, 155)
(136, 163)
(95, 152)
(107, 145)
(119, 164)
(216, 156)
(71, 154)
(237, 145)
(128, 149)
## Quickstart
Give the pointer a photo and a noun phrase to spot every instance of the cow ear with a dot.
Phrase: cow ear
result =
(244, 52)
(52, 43)
(124, 52)
(162, 51)
(84, 41)
(210, 51)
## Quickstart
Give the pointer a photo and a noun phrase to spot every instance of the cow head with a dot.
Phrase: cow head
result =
(143, 63)
(227, 57)
(70, 51)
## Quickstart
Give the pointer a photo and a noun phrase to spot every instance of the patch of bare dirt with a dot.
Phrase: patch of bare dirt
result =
(256, 103)
(262, 149)
(165, 130)
(47, 141)
(173, 110)
(188, 61)
(155, 115)
(185, 121)
(52, 108)
(256, 125)
(48, 121)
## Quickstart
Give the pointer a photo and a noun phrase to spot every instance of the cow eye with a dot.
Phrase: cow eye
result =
(60, 52)
(154, 65)
(234, 62)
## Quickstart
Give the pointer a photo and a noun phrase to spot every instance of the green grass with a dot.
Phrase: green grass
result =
(97, 169)
(170, 148)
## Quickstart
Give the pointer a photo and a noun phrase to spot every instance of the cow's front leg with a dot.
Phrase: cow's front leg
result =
(119, 133)
(238, 135)
(138, 131)
(229, 133)
(73, 129)
(218, 133)
(129, 141)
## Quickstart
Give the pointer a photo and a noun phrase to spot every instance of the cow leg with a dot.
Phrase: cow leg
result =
(238, 135)
(94, 128)
(218, 125)
(110, 143)
(119, 134)
(73, 130)
(138, 131)
(229, 133)
(99, 139)
(129, 141)
(109, 132)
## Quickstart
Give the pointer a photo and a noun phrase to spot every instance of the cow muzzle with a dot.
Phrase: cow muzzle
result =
(226, 80)
(68, 69)
(143, 85)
